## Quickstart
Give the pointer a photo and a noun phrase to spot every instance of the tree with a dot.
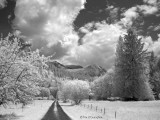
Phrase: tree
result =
(102, 87)
(119, 77)
(53, 91)
(20, 74)
(77, 90)
(65, 92)
(154, 75)
(132, 69)
(44, 92)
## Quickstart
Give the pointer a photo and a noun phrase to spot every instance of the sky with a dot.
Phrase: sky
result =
(81, 32)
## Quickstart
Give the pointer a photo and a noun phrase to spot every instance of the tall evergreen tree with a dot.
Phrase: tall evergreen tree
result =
(152, 64)
(119, 77)
(132, 69)
(154, 75)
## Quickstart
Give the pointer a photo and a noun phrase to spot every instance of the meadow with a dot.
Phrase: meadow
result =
(89, 110)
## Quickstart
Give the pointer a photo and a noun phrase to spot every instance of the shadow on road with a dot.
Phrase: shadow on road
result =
(55, 112)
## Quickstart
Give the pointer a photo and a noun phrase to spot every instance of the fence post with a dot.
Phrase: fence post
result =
(115, 114)
(91, 106)
(104, 110)
(96, 108)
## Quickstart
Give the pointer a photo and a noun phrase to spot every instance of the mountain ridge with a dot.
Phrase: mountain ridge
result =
(76, 71)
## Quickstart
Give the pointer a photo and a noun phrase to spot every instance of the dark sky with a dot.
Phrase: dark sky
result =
(87, 35)
(95, 11)
(6, 17)
(100, 10)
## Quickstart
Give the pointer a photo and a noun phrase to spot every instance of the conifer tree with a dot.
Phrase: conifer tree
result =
(132, 69)
(154, 75)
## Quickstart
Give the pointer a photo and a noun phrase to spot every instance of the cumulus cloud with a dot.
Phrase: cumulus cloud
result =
(151, 2)
(151, 45)
(155, 46)
(2, 3)
(48, 25)
(148, 9)
(98, 46)
(129, 16)
(46, 20)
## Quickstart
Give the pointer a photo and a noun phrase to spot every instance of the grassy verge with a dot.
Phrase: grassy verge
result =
(34, 111)
(12, 116)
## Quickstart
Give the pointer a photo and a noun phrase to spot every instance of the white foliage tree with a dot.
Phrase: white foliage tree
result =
(20, 74)
(76, 90)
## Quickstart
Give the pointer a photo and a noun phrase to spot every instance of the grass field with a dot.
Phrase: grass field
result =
(34, 111)
(142, 110)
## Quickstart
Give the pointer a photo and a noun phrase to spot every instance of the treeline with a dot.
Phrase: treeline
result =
(135, 75)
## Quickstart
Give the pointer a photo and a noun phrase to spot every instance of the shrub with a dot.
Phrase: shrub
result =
(44, 92)
(75, 90)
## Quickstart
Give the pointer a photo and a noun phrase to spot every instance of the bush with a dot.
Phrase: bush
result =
(75, 90)
(102, 87)
(44, 92)
(51, 97)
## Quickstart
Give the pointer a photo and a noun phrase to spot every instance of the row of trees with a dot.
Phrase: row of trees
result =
(135, 75)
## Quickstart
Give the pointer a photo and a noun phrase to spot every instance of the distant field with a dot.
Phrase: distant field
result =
(142, 110)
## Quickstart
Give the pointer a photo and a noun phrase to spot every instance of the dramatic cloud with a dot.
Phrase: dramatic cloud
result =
(84, 34)
(148, 9)
(129, 16)
(98, 46)
(47, 20)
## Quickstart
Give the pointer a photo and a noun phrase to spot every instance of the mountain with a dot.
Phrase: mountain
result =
(61, 66)
(57, 65)
(95, 70)
(76, 71)
(73, 66)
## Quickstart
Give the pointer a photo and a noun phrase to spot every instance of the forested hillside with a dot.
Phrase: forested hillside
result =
(88, 73)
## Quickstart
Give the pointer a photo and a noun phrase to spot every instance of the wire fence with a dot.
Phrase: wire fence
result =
(97, 109)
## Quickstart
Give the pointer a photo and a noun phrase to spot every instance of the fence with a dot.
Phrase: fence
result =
(97, 109)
